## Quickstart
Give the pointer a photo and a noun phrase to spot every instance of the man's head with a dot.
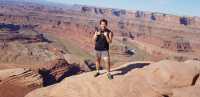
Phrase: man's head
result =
(103, 24)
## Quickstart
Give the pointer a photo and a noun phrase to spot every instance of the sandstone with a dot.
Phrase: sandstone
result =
(166, 75)
(192, 91)
(17, 82)
(131, 84)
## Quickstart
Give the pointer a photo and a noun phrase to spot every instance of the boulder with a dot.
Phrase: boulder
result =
(165, 75)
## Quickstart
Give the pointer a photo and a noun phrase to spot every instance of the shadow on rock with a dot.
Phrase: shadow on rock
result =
(73, 70)
(48, 78)
(128, 68)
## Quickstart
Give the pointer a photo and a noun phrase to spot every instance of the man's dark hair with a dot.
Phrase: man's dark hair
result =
(104, 20)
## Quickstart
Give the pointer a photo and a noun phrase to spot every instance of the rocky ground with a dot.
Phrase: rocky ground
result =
(138, 79)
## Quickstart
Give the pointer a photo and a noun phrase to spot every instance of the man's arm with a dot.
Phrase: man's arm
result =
(109, 37)
(94, 37)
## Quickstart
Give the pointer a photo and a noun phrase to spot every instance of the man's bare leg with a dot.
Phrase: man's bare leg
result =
(107, 62)
(98, 62)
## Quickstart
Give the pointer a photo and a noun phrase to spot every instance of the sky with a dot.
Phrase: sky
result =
(176, 7)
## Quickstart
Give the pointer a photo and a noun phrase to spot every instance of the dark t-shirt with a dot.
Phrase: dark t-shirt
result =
(101, 42)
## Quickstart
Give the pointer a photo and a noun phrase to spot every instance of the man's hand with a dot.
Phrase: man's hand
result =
(108, 37)
(105, 34)
(95, 36)
(97, 33)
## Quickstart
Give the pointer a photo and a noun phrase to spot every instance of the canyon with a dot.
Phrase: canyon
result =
(41, 44)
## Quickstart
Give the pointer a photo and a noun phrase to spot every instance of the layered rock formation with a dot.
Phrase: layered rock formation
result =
(26, 47)
(18, 82)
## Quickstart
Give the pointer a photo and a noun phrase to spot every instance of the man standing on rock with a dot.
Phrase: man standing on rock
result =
(102, 38)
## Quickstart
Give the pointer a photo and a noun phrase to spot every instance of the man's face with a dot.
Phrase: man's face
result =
(103, 25)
